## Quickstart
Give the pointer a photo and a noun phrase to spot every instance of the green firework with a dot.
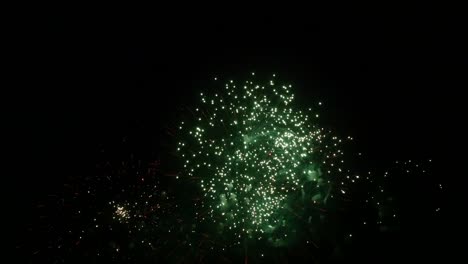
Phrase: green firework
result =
(254, 153)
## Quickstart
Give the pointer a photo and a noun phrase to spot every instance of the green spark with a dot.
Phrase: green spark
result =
(253, 150)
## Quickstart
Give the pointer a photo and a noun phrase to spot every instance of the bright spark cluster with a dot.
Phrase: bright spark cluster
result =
(252, 149)
(121, 214)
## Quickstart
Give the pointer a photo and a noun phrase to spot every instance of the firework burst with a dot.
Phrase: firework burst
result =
(258, 157)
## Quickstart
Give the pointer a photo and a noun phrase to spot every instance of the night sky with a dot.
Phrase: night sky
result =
(116, 81)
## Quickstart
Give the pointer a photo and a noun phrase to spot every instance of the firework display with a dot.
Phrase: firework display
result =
(255, 153)
(246, 172)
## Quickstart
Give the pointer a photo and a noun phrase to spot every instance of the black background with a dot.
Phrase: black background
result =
(95, 76)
